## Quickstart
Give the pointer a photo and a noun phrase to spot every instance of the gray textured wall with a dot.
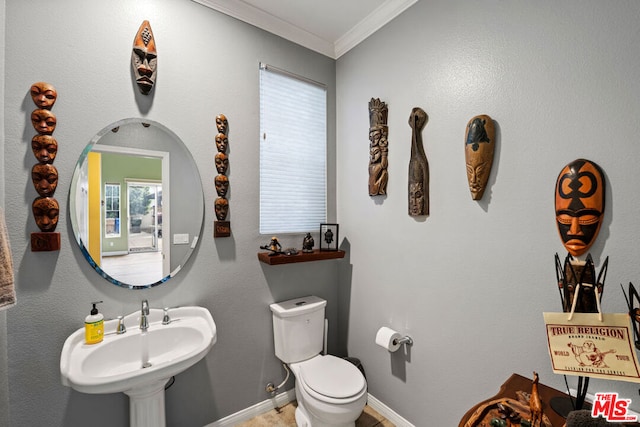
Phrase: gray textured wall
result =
(207, 64)
(471, 281)
(4, 380)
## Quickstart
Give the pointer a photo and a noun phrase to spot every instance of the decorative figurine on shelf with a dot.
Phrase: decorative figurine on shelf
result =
(329, 237)
(478, 152)
(144, 58)
(378, 147)
(274, 247)
(579, 204)
(535, 404)
(418, 166)
(307, 243)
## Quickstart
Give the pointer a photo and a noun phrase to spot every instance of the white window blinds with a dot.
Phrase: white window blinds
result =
(293, 153)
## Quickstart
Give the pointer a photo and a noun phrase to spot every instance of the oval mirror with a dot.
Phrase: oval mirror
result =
(136, 203)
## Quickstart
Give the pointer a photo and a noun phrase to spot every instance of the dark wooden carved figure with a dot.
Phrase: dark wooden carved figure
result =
(579, 204)
(307, 243)
(378, 147)
(478, 152)
(222, 227)
(44, 175)
(418, 166)
(144, 58)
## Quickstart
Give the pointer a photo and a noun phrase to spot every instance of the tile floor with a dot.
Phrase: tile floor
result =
(286, 418)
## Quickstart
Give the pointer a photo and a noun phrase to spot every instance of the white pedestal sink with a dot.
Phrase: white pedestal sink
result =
(116, 364)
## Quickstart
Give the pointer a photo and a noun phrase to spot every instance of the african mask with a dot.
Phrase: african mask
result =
(579, 204)
(44, 121)
(44, 95)
(45, 212)
(221, 206)
(144, 58)
(222, 142)
(222, 163)
(222, 185)
(478, 152)
(44, 147)
(45, 179)
(222, 123)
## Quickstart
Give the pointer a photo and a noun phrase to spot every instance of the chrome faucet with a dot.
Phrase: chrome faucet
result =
(144, 322)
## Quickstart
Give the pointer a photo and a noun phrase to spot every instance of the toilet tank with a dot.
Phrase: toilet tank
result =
(298, 328)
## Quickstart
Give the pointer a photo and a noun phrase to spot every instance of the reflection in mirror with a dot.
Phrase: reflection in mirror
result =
(136, 203)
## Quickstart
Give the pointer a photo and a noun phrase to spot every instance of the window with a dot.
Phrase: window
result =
(112, 210)
(293, 153)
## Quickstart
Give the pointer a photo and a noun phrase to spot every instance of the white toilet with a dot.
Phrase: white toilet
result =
(331, 392)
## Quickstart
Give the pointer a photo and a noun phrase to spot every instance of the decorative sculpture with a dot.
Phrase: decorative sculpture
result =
(579, 204)
(418, 166)
(478, 152)
(144, 58)
(307, 243)
(535, 404)
(580, 292)
(633, 302)
(222, 227)
(378, 147)
(274, 247)
(44, 175)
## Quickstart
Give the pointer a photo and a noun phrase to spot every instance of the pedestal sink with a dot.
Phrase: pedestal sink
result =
(116, 364)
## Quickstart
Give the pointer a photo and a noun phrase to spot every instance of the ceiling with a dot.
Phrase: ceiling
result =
(330, 27)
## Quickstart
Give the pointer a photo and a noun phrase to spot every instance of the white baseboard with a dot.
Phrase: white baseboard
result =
(289, 396)
(255, 410)
(387, 412)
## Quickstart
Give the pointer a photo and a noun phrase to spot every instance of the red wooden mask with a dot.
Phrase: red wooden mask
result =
(579, 203)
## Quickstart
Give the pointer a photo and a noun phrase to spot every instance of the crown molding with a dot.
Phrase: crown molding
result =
(261, 19)
(369, 25)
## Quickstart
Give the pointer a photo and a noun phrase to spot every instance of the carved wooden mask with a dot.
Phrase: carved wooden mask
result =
(45, 212)
(44, 95)
(580, 204)
(478, 152)
(144, 58)
(45, 179)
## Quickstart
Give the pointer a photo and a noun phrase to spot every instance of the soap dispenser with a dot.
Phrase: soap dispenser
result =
(94, 326)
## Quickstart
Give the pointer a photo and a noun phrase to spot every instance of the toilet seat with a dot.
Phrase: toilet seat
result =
(331, 379)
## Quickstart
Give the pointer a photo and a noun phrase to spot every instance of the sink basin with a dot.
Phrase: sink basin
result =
(116, 364)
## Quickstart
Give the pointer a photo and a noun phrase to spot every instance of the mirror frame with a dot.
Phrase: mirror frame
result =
(72, 200)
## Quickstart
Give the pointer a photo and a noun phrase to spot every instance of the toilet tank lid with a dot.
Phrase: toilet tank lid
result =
(297, 306)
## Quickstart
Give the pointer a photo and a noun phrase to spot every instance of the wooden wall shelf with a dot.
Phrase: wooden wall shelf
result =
(316, 255)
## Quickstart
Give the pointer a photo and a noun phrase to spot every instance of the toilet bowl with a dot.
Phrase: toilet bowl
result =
(331, 392)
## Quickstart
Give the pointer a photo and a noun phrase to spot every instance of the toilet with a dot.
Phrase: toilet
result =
(331, 391)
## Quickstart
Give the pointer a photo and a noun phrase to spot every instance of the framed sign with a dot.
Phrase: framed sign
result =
(328, 237)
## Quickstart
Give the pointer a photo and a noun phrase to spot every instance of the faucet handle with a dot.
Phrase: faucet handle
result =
(166, 319)
(121, 329)
(145, 307)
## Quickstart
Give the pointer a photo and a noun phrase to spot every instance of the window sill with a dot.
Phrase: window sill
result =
(316, 255)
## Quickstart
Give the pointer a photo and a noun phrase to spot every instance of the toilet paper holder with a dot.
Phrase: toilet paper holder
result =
(404, 340)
